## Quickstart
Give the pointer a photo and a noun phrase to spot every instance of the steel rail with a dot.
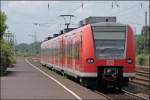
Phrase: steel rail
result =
(132, 94)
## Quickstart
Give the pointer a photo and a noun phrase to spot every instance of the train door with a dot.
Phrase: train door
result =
(61, 53)
(52, 54)
(78, 53)
(70, 53)
(49, 54)
(65, 55)
(73, 54)
(76, 44)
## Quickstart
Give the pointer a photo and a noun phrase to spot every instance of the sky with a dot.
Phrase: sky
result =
(22, 15)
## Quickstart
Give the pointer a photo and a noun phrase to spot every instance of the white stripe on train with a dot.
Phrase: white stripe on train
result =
(76, 73)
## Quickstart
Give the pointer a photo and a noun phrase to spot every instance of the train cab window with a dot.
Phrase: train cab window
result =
(109, 41)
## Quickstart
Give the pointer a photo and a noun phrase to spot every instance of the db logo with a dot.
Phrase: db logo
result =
(110, 62)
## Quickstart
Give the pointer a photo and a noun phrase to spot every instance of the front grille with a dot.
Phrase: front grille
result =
(109, 71)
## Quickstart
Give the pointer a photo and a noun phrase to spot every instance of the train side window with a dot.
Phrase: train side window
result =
(66, 50)
(75, 51)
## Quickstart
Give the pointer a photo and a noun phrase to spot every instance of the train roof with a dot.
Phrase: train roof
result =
(108, 24)
(92, 24)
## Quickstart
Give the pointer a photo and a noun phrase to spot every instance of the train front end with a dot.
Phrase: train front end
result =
(114, 50)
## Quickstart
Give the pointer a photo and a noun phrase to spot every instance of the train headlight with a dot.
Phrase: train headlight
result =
(129, 61)
(90, 60)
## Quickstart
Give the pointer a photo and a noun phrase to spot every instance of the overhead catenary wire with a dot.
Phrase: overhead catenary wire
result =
(125, 13)
(74, 10)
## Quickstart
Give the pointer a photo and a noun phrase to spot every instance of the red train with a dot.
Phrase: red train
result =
(102, 53)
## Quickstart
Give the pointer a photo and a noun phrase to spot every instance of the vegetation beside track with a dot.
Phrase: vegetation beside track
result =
(7, 56)
(25, 49)
(143, 47)
(143, 59)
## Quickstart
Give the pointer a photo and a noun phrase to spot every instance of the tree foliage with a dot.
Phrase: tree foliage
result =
(139, 44)
(3, 25)
(143, 47)
(6, 54)
(28, 49)
(6, 51)
(143, 42)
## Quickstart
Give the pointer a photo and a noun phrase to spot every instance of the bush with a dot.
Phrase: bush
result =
(7, 56)
(143, 59)
(2, 64)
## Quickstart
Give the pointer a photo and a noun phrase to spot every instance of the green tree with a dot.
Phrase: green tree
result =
(143, 46)
(7, 56)
(3, 25)
(28, 49)
(6, 53)
(139, 44)
(146, 39)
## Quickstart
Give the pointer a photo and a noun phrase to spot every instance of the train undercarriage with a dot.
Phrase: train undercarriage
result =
(108, 77)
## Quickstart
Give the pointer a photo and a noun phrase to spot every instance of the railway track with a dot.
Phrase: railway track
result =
(134, 91)
(140, 85)
(142, 76)
(120, 95)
